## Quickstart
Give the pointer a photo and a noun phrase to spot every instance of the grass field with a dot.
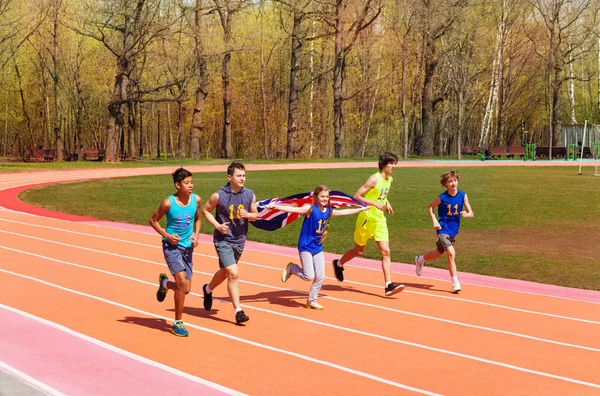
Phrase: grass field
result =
(537, 224)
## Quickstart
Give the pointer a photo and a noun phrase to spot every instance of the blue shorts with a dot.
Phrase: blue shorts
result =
(229, 254)
(178, 259)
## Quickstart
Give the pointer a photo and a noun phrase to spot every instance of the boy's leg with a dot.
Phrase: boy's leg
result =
(391, 288)
(182, 287)
(356, 251)
(451, 261)
(384, 250)
(217, 279)
(232, 285)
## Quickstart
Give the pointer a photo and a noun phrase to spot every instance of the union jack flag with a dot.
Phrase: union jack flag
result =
(273, 219)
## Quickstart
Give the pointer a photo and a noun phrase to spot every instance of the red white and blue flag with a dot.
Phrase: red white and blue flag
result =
(273, 219)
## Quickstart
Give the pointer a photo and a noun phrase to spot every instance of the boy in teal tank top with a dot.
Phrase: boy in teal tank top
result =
(180, 237)
(372, 223)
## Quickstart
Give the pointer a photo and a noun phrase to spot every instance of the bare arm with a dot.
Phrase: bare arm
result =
(253, 214)
(158, 214)
(346, 212)
(430, 208)
(468, 213)
(303, 210)
(212, 203)
(197, 222)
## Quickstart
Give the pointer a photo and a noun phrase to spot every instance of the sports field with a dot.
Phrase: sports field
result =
(90, 285)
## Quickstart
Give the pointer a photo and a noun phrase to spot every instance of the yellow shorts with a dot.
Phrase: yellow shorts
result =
(367, 229)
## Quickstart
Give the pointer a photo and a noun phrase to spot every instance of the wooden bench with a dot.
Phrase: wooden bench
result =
(34, 155)
(557, 152)
(92, 154)
(469, 150)
(499, 151)
(516, 150)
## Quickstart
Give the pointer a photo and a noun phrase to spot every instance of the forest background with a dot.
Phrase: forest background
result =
(293, 78)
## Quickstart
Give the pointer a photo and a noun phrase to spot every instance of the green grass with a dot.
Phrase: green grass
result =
(538, 224)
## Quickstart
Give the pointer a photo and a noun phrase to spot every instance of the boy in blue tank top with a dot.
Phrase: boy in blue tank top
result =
(310, 241)
(180, 237)
(452, 204)
(235, 205)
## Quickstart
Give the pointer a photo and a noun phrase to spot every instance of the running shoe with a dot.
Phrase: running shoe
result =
(207, 298)
(393, 288)
(179, 329)
(314, 305)
(286, 273)
(338, 271)
(241, 317)
(419, 265)
(162, 291)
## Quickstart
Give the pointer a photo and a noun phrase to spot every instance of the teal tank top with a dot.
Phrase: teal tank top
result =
(180, 220)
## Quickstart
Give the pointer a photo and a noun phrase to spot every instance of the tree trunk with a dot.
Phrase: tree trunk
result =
(132, 128)
(338, 83)
(202, 89)
(226, 146)
(263, 94)
(181, 113)
(427, 99)
(58, 139)
(292, 124)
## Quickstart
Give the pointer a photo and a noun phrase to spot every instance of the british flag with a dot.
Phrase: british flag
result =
(273, 219)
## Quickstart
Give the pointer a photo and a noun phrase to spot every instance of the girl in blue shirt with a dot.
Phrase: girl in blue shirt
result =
(310, 241)
(452, 204)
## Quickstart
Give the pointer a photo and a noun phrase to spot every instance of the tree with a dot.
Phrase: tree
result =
(348, 21)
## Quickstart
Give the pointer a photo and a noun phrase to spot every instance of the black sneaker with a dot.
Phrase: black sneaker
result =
(161, 293)
(207, 298)
(241, 317)
(393, 288)
(338, 271)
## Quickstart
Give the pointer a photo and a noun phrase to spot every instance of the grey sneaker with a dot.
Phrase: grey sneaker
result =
(419, 265)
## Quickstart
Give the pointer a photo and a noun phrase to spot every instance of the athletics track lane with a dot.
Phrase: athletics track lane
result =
(100, 282)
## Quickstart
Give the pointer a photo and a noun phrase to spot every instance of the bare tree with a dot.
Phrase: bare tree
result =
(226, 9)
(348, 21)
(437, 17)
(126, 29)
(564, 37)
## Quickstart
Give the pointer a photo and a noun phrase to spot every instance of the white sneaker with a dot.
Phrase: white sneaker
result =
(286, 273)
(314, 305)
(419, 265)
(456, 286)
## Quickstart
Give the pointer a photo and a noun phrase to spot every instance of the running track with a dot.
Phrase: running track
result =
(79, 317)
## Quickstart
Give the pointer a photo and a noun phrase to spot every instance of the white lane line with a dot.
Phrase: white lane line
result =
(364, 333)
(123, 352)
(231, 337)
(36, 384)
(470, 301)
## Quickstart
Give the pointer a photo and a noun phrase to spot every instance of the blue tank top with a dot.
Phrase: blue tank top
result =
(312, 229)
(228, 210)
(180, 220)
(449, 212)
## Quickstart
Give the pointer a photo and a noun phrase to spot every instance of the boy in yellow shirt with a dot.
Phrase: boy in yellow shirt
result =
(372, 223)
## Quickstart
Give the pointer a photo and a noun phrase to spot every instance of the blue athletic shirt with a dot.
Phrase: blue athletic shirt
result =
(449, 212)
(180, 220)
(228, 210)
(312, 229)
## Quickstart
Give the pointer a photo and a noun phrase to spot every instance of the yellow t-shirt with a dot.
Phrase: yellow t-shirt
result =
(378, 194)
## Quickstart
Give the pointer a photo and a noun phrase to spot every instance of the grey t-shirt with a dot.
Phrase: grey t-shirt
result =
(228, 210)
